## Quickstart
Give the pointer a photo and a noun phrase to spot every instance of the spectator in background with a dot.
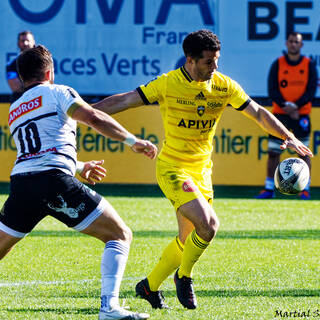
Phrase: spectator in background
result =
(292, 84)
(25, 41)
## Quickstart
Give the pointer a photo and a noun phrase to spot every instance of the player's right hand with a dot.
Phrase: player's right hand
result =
(295, 144)
(145, 147)
(93, 171)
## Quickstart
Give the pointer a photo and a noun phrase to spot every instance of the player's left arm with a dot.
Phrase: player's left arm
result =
(269, 123)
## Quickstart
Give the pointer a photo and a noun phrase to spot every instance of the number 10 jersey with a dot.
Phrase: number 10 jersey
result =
(45, 136)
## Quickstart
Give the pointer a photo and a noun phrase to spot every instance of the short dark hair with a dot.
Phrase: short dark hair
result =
(198, 41)
(33, 63)
(24, 33)
(295, 34)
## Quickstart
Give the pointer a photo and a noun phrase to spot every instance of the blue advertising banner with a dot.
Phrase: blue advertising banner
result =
(254, 32)
(104, 47)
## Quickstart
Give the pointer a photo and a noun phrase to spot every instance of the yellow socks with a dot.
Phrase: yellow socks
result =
(193, 248)
(168, 263)
(177, 255)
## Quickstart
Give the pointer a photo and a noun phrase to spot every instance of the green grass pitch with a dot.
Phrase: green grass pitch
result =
(263, 264)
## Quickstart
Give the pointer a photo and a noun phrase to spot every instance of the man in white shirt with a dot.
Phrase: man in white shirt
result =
(43, 124)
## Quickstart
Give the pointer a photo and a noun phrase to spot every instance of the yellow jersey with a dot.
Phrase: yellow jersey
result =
(190, 112)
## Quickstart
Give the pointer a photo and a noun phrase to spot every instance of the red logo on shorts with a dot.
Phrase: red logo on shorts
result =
(189, 186)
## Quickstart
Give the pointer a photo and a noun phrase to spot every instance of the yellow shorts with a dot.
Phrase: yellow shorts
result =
(181, 185)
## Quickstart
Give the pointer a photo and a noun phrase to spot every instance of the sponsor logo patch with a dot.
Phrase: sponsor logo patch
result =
(61, 205)
(189, 186)
(200, 96)
(213, 105)
(219, 88)
(283, 83)
(30, 155)
(24, 108)
(304, 123)
(186, 102)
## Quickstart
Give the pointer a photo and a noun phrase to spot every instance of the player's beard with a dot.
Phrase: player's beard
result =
(205, 76)
(209, 76)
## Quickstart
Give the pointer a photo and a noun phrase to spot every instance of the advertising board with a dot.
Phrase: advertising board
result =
(239, 157)
(102, 47)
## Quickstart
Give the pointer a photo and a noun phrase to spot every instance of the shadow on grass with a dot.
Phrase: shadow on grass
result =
(242, 234)
(250, 192)
(55, 310)
(312, 234)
(224, 293)
(172, 293)
(260, 293)
(270, 234)
(153, 190)
(56, 233)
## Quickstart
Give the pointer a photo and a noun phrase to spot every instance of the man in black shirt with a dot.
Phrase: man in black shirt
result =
(292, 84)
(25, 41)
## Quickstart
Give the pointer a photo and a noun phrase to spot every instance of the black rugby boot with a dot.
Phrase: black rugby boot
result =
(185, 291)
(155, 298)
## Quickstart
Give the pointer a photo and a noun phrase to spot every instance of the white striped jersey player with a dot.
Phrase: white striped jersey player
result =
(45, 136)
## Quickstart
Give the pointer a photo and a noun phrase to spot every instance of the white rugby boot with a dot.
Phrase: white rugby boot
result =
(122, 314)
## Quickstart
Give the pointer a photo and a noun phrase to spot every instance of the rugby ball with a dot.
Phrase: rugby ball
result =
(291, 176)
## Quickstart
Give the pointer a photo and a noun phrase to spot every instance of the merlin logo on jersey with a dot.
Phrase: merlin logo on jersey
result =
(24, 108)
(200, 110)
(186, 102)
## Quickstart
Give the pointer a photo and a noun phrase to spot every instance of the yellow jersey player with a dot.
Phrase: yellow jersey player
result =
(191, 99)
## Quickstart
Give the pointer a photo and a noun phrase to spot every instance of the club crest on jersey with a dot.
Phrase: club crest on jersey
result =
(24, 108)
(200, 110)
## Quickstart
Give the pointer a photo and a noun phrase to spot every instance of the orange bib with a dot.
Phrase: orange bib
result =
(292, 82)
